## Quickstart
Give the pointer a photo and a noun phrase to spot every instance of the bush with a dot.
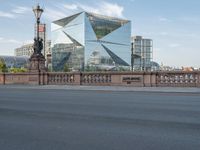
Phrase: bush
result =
(3, 67)
(66, 68)
(18, 70)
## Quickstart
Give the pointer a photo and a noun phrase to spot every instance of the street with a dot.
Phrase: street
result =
(62, 119)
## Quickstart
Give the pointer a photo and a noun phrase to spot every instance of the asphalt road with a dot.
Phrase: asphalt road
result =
(48, 119)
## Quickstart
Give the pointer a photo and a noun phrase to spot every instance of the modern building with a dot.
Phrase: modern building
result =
(15, 61)
(155, 66)
(142, 53)
(92, 42)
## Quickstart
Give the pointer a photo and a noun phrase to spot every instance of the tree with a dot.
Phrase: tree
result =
(18, 70)
(3, 67)
(49, 68)
(66, 68)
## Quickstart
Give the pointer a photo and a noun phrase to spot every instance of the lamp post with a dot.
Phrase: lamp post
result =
(132, 59)
(38, 12)
(37, 60)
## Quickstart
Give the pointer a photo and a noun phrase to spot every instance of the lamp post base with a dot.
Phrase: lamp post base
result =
(37, 63)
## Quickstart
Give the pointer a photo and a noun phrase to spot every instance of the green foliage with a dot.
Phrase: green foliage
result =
(90, 68)
(122, 69)
(66, 68)
(18, 70)
(49, 68)
(3, 67)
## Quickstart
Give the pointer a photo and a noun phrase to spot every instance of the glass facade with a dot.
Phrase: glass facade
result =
(91, 42)
(15, 61)
(142, 51)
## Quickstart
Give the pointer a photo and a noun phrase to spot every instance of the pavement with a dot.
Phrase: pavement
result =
(99, 118)
(108, 88)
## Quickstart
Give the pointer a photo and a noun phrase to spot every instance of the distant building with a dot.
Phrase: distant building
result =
(86, 40)
(169, 68)
(15, 61)
(47, 48)
(27, 50)
(155, 66)
(188, 69)
(142, 53)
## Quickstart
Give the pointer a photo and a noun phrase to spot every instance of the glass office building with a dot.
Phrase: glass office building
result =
(91, 42)
(142, 53)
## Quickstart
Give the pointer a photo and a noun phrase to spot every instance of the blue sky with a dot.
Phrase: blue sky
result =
(174, 25)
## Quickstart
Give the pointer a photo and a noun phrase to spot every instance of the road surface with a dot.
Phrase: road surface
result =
(63, 119)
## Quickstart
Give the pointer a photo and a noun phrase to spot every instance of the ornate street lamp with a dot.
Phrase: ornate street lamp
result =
(37, 60)
(38, 12)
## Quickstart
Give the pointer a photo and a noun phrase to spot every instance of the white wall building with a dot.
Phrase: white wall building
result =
(142, 53)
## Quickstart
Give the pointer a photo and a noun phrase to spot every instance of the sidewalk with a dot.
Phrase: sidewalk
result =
(108, 88)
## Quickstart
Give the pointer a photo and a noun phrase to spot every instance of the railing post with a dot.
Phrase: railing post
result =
(4, 78)
(77, 78)
(81, 76)
(153, 79)
(44, 78)
(198, 79)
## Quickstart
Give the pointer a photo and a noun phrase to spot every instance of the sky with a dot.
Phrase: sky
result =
(173, 25)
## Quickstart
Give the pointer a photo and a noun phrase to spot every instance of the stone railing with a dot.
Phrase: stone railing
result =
(95, 79)
(178, 79)
(60, 78)
(137, 79)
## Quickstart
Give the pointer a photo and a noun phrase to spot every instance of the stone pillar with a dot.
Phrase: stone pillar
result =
(198, 79)
(45, 78)
(116, 79)
(2, 78)
(37, 63)
(37, 69)
(153, 79)
(147, 80)
(150, 79)
(77, 78)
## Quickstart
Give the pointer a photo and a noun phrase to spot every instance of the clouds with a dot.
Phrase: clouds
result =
(164, 19)
(103, 7)
(112, 9)
(13, 13)
(10, 41)
(8, 44)
(52, 14)
(6, 15)
(71, 6)
(20, 10)
(6, 40)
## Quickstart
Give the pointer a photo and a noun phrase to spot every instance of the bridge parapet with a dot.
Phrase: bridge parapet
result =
(137, 79)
